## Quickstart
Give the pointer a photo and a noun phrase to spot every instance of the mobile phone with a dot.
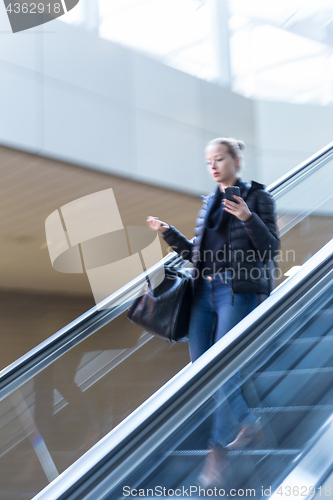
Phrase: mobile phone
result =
(230, 191)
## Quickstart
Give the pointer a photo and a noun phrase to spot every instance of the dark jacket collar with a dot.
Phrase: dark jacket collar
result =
(243, 186)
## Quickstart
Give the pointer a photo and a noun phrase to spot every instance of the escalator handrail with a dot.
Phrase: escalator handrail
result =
(25, 367)
(19, 371)
(313, 466)
(285, 179)
(136, 437)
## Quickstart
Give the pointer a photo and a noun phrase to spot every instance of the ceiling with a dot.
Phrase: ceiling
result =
(278, 50)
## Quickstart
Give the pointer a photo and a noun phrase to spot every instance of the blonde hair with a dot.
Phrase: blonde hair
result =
(233, 146)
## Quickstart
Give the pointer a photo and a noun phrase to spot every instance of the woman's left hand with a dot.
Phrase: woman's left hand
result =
(239, 208)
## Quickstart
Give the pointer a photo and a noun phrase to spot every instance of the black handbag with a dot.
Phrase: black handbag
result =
(165, 310)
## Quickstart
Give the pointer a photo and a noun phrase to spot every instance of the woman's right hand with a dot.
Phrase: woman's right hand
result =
(157, 224)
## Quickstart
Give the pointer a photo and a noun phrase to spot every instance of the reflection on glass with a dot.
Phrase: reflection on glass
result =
(65, 409)
(305, 210)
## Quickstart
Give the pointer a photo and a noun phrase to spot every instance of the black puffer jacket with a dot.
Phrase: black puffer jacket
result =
(252, 243)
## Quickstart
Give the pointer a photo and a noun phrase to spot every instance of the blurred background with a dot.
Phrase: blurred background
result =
(125, 94)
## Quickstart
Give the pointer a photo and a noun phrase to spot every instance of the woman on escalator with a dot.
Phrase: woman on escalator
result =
(233, 242)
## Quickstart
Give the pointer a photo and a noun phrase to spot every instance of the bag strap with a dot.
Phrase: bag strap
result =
(149, 284)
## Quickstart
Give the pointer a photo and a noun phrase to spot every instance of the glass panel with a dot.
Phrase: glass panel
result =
(27, 319)
(305, 211)
(287, 385)
(64, 410)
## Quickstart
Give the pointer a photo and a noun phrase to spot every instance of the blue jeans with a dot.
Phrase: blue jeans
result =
(215, 310)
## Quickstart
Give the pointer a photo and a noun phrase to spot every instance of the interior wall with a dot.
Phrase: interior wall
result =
(287, 134)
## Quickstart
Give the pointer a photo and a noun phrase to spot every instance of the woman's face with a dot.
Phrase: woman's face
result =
(221, 165)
